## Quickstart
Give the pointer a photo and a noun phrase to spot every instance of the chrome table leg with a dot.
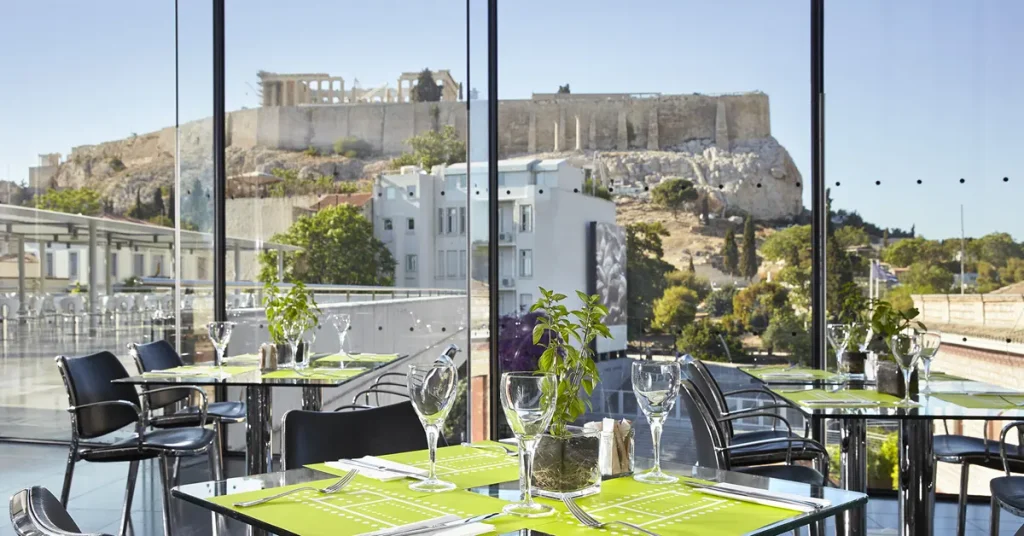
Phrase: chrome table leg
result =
(259, 450)
(312, 398)
(916, 492)
(853, 471)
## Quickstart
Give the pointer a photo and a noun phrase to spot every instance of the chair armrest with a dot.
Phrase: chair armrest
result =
(789, 431)
(368, 392)
(770, 394)
(740, 413)
(202, 396)
(140, 421)
(1002, 442)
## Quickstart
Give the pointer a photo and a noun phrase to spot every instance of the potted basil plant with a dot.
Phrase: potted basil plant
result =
(888, 322)
(566, 459)
(294, 310)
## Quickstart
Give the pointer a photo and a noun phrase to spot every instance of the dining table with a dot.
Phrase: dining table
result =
(244, 371)
(487, 480)
(819, 395)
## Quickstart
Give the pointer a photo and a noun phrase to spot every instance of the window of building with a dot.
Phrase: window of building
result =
(462, 220)
(390, 192)
(388, 224)
(453, 260)
(440, 221)
(139, 265)
(526, 218)
(463, 262)
(449, 182)
(526, 263)
(113, 265)
(501, 179)
(410, 190)
(158, 266)
(452, 212)
(49, 264)
(439, 272)
(462, 182)
(72, 265)
(525, 301)
(412, 264)
(201, 269)
(411, 224)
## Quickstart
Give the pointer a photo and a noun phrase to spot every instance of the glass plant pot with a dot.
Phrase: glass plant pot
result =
(567, 466)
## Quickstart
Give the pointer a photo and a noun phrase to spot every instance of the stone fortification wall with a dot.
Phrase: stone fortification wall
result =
(543, 123)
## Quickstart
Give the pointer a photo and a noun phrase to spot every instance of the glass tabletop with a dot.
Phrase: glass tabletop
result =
(960, 400)
(202, 493)
(241, 374)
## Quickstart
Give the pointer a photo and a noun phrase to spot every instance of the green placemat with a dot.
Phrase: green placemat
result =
(199, 370)
(943, 377)
(365, 358)
(366, 505)
(314, 374)
(869, 397)
(788, 374)
(668, 510)
(466, 467)
(986, 401)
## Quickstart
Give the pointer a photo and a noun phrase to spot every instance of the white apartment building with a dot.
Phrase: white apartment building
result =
(543, 219)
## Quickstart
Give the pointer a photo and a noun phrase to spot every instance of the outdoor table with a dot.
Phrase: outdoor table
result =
(949, 399)
(368, 505)
(258, 388)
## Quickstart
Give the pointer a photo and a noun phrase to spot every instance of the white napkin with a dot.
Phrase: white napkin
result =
(468, 529)
(722, 490)
(383, 476)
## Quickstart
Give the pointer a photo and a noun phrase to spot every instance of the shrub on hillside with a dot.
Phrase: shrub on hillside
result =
(353, 147)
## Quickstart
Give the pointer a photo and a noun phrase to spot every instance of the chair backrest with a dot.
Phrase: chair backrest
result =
(707, 435)
(36, 512)
(158, 355)
(315, 437)
(702, 379)
(88, 379)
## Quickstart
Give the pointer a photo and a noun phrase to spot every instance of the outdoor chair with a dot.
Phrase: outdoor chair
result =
(36, 512)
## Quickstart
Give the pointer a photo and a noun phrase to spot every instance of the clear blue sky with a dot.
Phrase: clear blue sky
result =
(923, 89)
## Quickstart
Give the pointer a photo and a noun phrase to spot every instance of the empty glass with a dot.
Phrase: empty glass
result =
(838, 338)
(906, 350)
(432, 389)
(656, 384)
(930, 342)
(528, 399)
(341, 323)
(220, 336)
(293, 334)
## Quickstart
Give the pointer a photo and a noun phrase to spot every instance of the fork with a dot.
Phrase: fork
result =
(589, 521)
(333, 488)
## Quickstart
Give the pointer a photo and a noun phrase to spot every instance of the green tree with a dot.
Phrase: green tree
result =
(1013, 272)
(171, 204)
(838, 278)
(748, 256)
(690, 267)
(849, 236)
(885, 238)
(158, 208)
(675, 310)
(704, 340)
(196, 209)
(596, 189)
(432, 149)
(995, 249)
(338, 248)
(787, 334)
(84, 201)
(719, 302)
(923, 278)
(426, 88)
(645, 273)
(911, 250)
(730, 253)
(353, 147)
(679, 278)
(564, 90)
(988, 278)
(791, 245)
(756, 304)
(673, 194)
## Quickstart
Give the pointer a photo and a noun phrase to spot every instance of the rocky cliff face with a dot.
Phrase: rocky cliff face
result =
(755, 177)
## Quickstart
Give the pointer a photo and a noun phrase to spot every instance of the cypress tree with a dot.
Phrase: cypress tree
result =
(730, 253)
(748, 257)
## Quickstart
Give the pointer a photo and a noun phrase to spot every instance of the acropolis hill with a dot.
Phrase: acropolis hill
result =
(721, 142)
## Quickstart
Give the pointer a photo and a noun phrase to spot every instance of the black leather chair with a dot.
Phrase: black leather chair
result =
(98, 407)
(160, 355)
(36, 512)
(967, 451)
(714, 449)
(1007, 491)
(750, 447)
(320, 436)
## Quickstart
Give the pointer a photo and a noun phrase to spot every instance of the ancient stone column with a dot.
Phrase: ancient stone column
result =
(623, 132)
(560, 133)
(531, 138)
(559, 136)
(401, 91)
(579, 135)
(652, 129)
(592, 137)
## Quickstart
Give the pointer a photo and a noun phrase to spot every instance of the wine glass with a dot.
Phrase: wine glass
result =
(656, 384)
(293, 334)
(906, 349)
(528, 399)
(432, 389)
(838, 338)
(930, 342)
(220, 336)
(341, 322)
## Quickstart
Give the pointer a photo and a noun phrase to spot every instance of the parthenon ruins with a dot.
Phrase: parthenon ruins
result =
(305, 89)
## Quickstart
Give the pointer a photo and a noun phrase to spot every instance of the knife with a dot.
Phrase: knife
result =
(445, 525)
(385, 469)
(756, 494)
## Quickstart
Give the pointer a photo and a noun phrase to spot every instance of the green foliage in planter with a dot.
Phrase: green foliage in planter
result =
(887, 321)
(296, 305)
(568, 352)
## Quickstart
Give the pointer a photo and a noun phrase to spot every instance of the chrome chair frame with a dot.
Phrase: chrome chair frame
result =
(997, 504)
(29, 521)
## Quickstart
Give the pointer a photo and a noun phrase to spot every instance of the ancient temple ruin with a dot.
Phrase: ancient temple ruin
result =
(308, 89)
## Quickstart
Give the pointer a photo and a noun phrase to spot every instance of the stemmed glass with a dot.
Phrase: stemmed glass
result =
(432, 389)
(341, 322)
(930, 342)
(838, 338)
(656, 384)
(906, 349)
(528, 399)
(220, 336)
(293, 334)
